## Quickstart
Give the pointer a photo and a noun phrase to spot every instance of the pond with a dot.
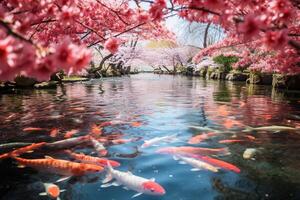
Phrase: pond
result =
(135, 109)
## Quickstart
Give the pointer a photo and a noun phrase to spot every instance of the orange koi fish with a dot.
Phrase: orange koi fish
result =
(30, 129)
(54, 132)
(22, 150)
(231, 141)
(52, 191)
(70, 133)
(199, 138)
(218, 163)
(193, 150)
(92, 160)
(61, 167)
(96, 130)
(136, 124)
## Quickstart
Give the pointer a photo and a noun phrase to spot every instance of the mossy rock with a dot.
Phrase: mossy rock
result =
(237, 76)
(23, 81)
(46, 85)
(291, 82)
(202, 73)
(260, 78)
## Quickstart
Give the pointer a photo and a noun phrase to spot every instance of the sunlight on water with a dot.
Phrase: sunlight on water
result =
(220, 120)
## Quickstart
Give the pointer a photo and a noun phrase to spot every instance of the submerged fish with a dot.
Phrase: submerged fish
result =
(193, 150)
(100, 149)
(156, 140)
(70, 133)
(196, 163)
(202, 128)
(67, 143)
(136, 124)
(270, 128)
(57, 166)
(218, 163)
(22, 150)
(249, 153)
(199, 138)
(52, 191)
(231, 141)
(54, 132)
(132, 182)
(30, 129)
(96, 130)
(92, 160)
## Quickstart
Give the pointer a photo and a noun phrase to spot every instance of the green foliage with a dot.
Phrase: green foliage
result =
(226, 62)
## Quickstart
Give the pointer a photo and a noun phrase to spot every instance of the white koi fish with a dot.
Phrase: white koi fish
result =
(98, 146)
(156, 140)
(132, 182)
(196, 163)
(52, 191)
(270, 128)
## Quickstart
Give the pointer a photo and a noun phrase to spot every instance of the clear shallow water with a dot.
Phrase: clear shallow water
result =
(165, 105)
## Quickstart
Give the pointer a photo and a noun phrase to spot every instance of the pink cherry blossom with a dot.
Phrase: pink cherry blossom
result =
(112, 45)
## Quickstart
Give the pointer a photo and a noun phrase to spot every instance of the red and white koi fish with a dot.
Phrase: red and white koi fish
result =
(70, 133)
(54, 132)
(156, 140)
(193, 150)
(218, 163)
(132, 182)
(22, 150)
(92, 160)
(52, 191)
(231, 141)
(57, 166)
(199, 138)
(100, 149)
(196, 163)
(31, 129)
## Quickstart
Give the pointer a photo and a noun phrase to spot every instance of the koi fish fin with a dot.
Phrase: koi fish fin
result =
(152, 179)
(182, 162)
(58, 198)
(115, 183)
(49, 157)
(63, 190)
(195, 169)
(136, 195)
(43, 194)
(63, 179)
(108, 178)
(106, 185)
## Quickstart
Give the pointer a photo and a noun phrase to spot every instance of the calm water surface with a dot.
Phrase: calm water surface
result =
(164, 105)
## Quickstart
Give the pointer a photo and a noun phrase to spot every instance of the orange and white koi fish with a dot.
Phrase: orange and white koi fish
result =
(67, 143)
(96, 130)
(92, 160)
(57, 166)
(231, 141)
(218, 163)
(31, 129)
(22, 150)
(100, 149)
(54, 132)
(132, 182)
(199, 138)
(196, 163)
(193, 150)
(70, 133)
(52, 191)
(156, 140)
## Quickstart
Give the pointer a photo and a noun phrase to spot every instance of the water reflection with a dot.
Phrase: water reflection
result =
(146, 106)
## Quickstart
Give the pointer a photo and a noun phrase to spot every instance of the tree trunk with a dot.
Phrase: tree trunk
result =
(205, 35)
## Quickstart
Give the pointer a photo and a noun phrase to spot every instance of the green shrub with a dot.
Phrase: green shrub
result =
(226, 62)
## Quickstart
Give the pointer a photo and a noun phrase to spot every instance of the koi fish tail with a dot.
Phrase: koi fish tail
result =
(109, 176)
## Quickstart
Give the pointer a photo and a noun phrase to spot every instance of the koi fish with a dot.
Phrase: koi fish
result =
(270, 128)
(136, 124)
(250, 137)
(54, 132)
(196, 163)
(218, 163)
(31, 129)
(100, 149)
(70, 133)
(92, 160)
(61, 167)
(202, 128)
(78, 109)
(67, 143)
(156, 140)
(231, 141)
(52, 191)
(199, 138)
(193, 150)
(22, 150)
(132, 182)
(111, 123)
(249, 153)
(96, 130)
